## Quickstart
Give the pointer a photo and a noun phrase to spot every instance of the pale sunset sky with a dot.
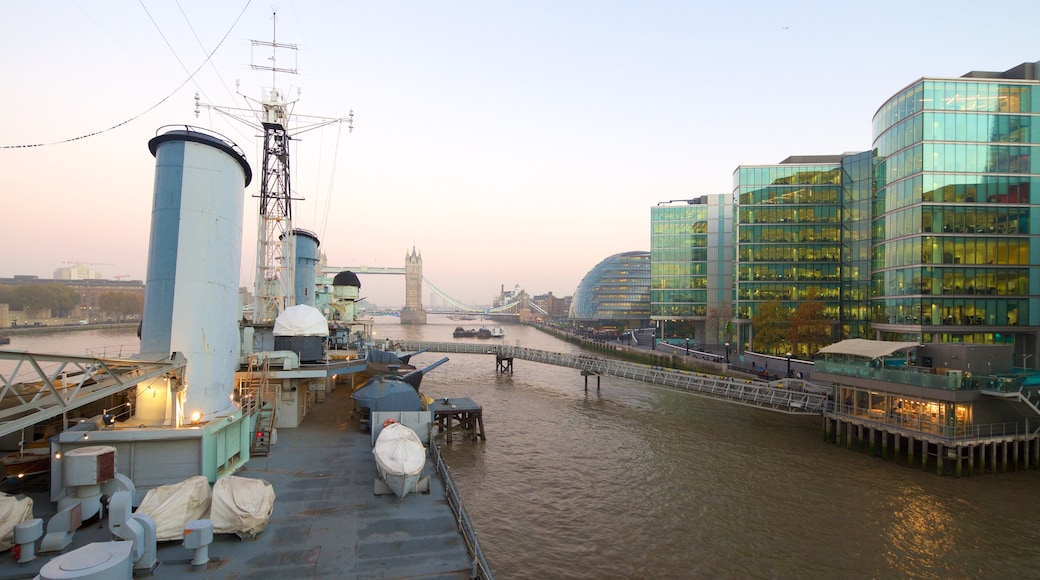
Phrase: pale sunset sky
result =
(509, 142)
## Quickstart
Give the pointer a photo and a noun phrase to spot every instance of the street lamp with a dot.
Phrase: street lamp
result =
(727, 353)
(687, 346)
(788, 365)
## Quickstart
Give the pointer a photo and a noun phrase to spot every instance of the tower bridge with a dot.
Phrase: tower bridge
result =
(520, 310)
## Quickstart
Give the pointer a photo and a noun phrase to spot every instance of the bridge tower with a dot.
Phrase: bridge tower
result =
(413, 312)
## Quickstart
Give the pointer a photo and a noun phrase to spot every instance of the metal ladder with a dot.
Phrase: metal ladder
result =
(255, 397)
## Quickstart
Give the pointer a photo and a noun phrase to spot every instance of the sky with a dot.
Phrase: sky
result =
(508, 142)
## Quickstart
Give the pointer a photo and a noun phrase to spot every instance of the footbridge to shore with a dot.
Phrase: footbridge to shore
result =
(785, 396)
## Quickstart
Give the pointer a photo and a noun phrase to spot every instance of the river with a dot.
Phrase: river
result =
(638, 481)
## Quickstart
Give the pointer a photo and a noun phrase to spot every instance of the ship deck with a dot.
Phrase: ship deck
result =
(327, 522)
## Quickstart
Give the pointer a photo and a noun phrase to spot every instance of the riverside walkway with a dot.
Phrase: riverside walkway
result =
(784, 396)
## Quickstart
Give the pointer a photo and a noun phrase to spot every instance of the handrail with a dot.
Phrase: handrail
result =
(775, 396)
(469, 535)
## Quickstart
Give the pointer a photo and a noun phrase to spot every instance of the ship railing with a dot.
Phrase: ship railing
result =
(774, 395)
(480, 568)
(121, 351)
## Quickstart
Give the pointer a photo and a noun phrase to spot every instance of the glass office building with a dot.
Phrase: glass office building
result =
(956, 250)
(691, 257)
(789, 237)
(615, 292)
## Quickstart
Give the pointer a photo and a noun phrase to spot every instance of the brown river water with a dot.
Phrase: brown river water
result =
(639, 481)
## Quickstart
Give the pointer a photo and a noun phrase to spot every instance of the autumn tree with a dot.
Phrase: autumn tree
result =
(770, 326)
(810, 329)
(121, 304)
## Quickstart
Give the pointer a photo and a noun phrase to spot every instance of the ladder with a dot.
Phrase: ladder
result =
(255, 397)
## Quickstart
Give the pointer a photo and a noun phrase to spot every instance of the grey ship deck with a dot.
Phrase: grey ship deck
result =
(327, 523)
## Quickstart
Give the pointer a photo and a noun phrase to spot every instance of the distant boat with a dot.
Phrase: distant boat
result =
(483, 333)
(463, 333)
(5, 340)
(497, 332)
(400, 458)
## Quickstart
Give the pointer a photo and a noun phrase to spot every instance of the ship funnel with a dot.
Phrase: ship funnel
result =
(194, 260)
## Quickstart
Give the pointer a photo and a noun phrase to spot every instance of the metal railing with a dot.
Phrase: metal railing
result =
(920, 426)
(480, 568)
(768, 395)
(41, 386)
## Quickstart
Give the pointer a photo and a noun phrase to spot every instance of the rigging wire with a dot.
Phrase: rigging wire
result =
(216, 71)
(332, 180)
(149, 109)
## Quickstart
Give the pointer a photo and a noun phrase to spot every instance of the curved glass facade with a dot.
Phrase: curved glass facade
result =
(956, 251)
(615, 290)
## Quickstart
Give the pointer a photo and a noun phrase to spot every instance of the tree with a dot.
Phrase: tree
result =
(33, 298)
(810, 329)
(121, 304)
(770, 327)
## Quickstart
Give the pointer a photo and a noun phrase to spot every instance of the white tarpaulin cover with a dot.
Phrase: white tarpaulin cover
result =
(241, 505)
(867, 348)
(398, 450)
(301, 320)
(13, 511)
(172, 506)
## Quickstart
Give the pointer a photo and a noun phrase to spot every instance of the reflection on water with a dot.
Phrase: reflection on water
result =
(641, 481)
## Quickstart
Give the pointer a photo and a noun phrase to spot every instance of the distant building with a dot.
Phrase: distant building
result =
(957, 190)
(77, 272)
(802, 230)
(691, 268)
(926, 237)
(615, 292)
(557, 308)
(89, 291)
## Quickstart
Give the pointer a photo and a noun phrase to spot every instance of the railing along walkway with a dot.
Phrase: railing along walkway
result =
(742, 391)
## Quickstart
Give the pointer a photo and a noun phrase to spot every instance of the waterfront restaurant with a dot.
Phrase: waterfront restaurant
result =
(956, 406)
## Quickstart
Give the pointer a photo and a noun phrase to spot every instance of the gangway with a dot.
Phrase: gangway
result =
(43, 386)
(774, 395)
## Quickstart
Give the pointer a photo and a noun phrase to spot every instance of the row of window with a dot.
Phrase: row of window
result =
(767, 272)
(952, 312)
(789, 234)
(803, 253)
(787, 175)
(817, 195)
(986, 281)
(954, 219)
(955, 188)
(939, 95)
(796, 291)
(963, 127)
(951, 250)
(781, 215)
(748, 310)
(965, 157)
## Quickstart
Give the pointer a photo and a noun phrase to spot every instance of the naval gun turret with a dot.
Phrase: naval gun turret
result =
(393, 393)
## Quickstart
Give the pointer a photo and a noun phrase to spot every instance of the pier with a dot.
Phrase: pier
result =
(965, 451)
(462, 415)
(791, 396)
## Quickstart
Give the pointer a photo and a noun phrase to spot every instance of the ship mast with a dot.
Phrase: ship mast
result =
(273, 288)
